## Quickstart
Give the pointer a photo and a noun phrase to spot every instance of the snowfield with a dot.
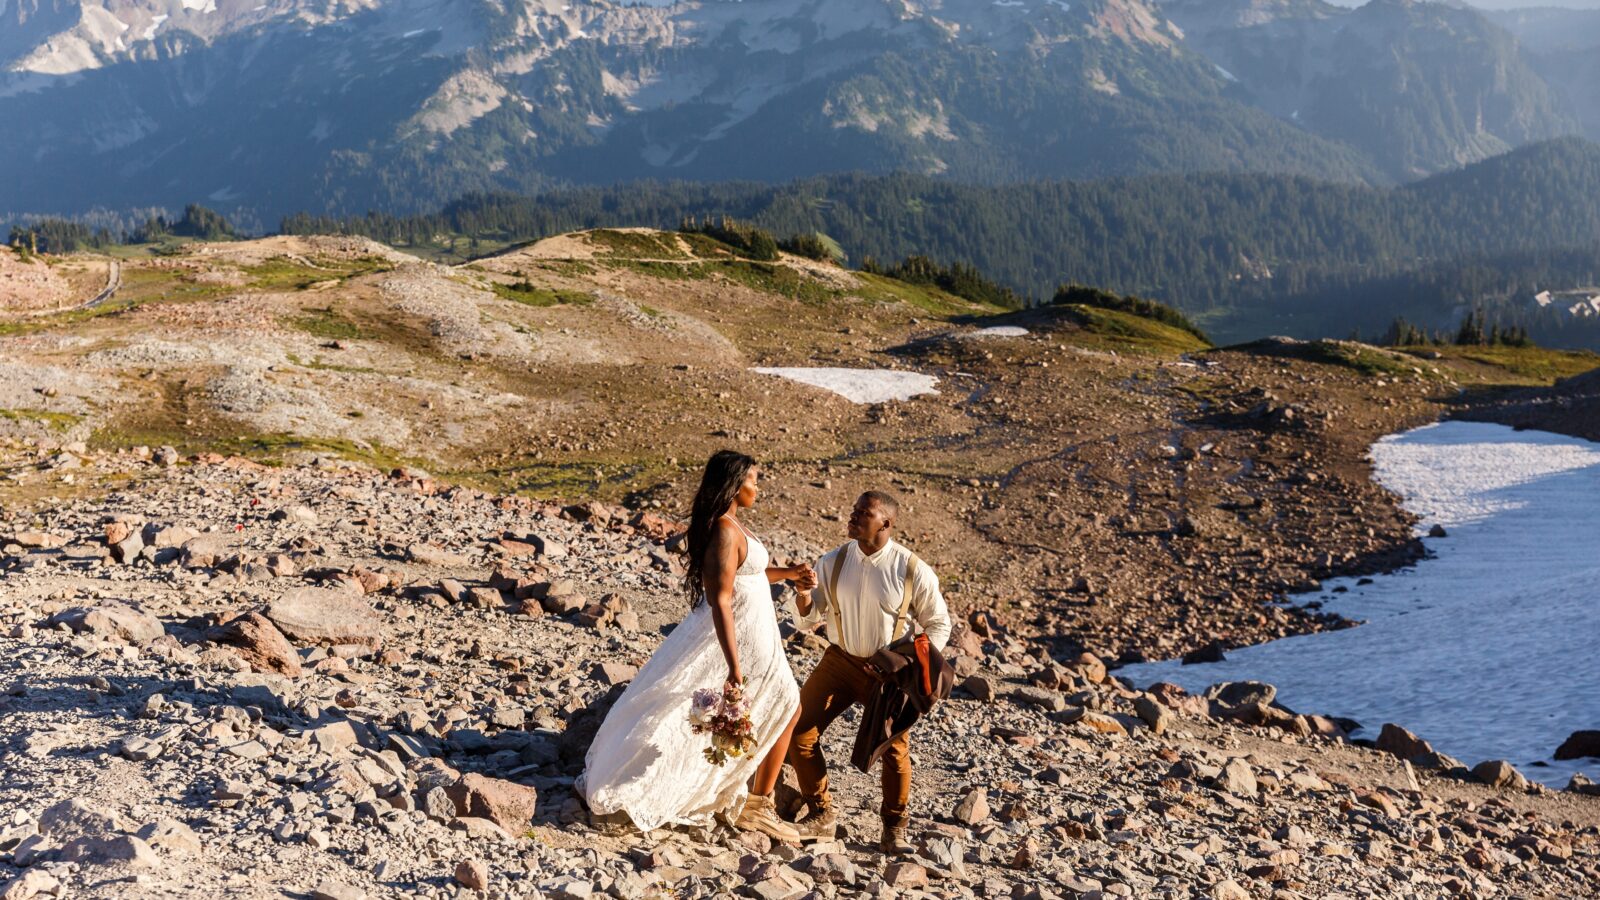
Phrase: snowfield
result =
(1488, 649)
(861, 385)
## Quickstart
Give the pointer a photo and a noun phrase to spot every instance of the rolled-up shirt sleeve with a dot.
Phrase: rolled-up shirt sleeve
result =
(928, 606)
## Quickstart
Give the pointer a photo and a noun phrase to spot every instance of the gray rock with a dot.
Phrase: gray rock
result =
(127, 550)
(170, 835)
(121, 849)
(1238, 778)
(207, 550)
(123, 620)
(429, 555)
(1040, 698)
(1242, 693)
(1154, 714)
(30, 884)
(326, 617)
(335, 890)
(76, 818)
(139, 748)
(436, 803)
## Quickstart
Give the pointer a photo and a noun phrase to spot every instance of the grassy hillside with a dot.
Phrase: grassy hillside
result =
(1246, 255)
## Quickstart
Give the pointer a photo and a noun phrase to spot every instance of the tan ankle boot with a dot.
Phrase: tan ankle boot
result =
(761, 815)
(818, 825)
(893, 842)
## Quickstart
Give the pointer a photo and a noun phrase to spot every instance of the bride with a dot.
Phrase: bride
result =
(645, 761)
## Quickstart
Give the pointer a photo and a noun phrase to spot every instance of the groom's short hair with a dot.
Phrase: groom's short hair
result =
(885, 500)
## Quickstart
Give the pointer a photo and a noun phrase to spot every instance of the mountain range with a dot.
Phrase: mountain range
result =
(262, 107)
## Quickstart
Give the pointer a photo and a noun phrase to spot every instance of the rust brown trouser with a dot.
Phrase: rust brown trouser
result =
(839, 681)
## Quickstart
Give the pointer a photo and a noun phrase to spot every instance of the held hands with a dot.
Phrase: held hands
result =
(803, 576)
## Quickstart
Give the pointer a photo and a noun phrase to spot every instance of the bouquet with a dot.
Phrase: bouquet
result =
(723, 715)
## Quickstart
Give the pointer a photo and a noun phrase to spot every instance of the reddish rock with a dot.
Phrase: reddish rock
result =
(656, 527)
(905, 875)
(259, 643)
(1499, 773)
(973, 808)
(613, 673)
(505, 803)
(1167, 694)
(515, 549)
(1402, 743)
(472, 875)
(1102, 723)
(964, 642)
(117, 532)
(1091, 667)
(1379, 802)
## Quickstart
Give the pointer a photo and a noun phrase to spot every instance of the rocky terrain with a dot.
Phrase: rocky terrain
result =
(28, 284)
(1570, 406)
(324, 680)
(249, 645)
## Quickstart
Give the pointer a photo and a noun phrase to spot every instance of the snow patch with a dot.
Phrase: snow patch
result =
(1487, 649)
(996, 331)
(860, 385)
(155, 23)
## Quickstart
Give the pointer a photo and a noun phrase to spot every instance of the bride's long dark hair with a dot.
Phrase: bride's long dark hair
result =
(719, 485)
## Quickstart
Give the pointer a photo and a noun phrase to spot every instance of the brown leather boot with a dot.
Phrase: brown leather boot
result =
(818, 825)
(893, 842)
(761, 815)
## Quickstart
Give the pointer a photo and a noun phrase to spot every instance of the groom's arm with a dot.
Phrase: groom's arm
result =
(928, 606)
(812, 603)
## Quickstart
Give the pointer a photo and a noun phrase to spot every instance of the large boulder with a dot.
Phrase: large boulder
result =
(1579, 744)
(1402, 743)
(207, 550)
(326, 617)
(259, 643)
(111, 619)
(76, 818)
(1499, 773)
(1242, 693)
(111, 850)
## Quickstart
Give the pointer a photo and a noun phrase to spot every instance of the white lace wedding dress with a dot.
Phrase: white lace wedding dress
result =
(646, 762)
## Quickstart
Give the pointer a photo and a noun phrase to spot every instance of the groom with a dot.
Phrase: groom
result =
(859, 589)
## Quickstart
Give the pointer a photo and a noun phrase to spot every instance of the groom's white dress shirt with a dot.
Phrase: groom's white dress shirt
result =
(872, 589)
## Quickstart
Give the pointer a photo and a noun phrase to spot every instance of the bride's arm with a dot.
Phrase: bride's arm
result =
(722, 561)
(776, 574)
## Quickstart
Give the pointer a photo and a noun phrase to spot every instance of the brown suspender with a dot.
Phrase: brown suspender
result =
(834, 618)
